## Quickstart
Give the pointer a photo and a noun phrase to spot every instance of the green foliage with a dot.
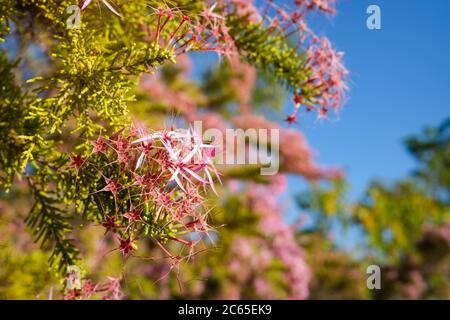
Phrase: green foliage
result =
(272, 52)
(17, 131)
(268, 94)
(432, 149)
(395, 217)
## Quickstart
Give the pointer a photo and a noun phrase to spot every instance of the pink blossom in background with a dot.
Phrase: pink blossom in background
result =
(327, 6)
(296, 156)
(158, 91)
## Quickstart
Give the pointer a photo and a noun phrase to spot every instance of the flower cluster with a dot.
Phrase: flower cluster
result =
(321, 85)
(296, 155)
(252, 261)
(252, 258)
(328, 74)
(151, 185)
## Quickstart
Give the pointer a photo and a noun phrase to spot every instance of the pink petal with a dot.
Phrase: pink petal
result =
(85, 4)
(110, 7)
(196, 176)
(211, 182)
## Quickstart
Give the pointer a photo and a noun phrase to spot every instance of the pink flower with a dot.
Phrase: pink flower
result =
(126, 246)
(85, 3)
(71, 294)
(133, 215)
(99, 145)
(76, 162)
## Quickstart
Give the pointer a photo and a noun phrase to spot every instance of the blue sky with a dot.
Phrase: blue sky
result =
(399, 84)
